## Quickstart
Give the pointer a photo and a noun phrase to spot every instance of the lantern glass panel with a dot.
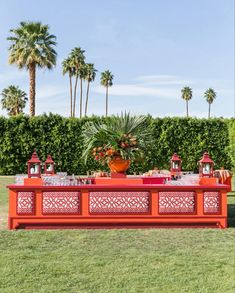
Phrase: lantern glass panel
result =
(175, 165)
(49, 167)
(206, 168)
(34, 168)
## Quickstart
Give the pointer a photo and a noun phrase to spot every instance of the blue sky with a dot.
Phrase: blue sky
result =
(153, 48)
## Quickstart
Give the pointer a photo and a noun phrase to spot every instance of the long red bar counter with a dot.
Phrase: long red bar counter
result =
(101, 206)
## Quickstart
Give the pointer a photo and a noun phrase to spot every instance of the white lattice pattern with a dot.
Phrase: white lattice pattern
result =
(25, 202)
(119, 202)
(211, 202)
(176, 202)
(61, 202)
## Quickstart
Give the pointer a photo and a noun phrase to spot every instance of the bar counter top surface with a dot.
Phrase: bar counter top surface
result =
(123, 186)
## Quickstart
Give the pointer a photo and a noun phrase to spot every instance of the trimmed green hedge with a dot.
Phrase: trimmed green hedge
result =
(61, 137)
(231, 148)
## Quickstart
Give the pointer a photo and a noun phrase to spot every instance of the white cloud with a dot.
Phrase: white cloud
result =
(138, 90)
(164, 86)
(163, 80)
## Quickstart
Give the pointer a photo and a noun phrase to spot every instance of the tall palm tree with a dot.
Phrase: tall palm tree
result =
(90, 72)
(187, 95)
(13, 100)
(68, 68)
(82, 76)
(210, 95)
(32, 46)
(107, 81)
(78, 59)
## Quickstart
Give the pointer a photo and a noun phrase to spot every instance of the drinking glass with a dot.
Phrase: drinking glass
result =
(19, 179)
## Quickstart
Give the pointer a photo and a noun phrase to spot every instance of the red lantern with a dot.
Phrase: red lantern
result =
(206, 166)
(176, 166)
(34, 166)
(49, 166)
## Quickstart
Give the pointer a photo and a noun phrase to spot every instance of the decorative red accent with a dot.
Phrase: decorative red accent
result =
(206, 166)
(118, 181)
(113, 186)
(49, 166)
(154, 180)
(35, 164)
(119, 165)
(175, 157)
(32, 181)
(206, 159)
(176, 164)
(225, 177)
(176, 202)
(134, 202)
(61, 202)
(118, 175)
(208, 181)
(212, 202)
(25, 202)
(126, 211)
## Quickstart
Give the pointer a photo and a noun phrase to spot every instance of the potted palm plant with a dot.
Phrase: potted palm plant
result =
(117, 142)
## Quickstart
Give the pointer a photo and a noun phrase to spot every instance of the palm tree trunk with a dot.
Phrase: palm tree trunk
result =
(209, 112)
(32, 85)
(87, 93)
(106, 112)
(81, 98)
(75, 94)
(71, 95)
(187, 107)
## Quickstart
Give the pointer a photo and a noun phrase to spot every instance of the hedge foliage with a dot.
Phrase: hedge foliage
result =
(231, 147)
(61, 137)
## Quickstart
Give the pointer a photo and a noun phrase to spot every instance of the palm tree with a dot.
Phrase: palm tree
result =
(90, 76)
(13, 100)
(78, 59)
(210, 95)
(68, 68)
(107, 81)
(82, 76)
(187, 95)
(32, 47)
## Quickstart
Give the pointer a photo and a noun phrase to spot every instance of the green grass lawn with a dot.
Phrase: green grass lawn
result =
(142, 260)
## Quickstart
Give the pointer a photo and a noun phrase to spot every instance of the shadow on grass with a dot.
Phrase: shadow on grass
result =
(231, 215)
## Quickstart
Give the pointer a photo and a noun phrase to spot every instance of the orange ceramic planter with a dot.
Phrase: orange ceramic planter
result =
(118, 165)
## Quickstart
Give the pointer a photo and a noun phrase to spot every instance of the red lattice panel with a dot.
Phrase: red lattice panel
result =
(171, 202)
(25, 202)
(61, 202)
(106, 202)
(211, 201)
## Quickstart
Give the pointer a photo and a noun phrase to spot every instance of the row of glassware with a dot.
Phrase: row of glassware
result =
(59, 179)
(186, 179)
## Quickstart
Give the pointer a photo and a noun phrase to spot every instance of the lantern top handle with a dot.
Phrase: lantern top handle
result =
(175, 157)
(34, 158)
(206, 158)
(49, 159)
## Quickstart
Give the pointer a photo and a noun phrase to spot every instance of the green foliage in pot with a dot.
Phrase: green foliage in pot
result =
(124, 136)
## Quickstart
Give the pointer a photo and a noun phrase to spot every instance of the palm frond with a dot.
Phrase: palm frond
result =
(112, 133)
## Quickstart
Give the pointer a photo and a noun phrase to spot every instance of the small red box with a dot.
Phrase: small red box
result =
(33, 181)
(154, 180)
(118, 175)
